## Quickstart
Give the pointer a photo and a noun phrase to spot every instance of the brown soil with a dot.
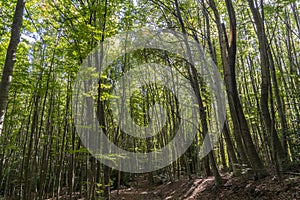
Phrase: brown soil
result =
(268, 188)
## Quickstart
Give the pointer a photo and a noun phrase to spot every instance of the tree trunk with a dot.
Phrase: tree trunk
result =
(192, 74)
(227, 137)
(265, 81)
(228, 52)
(230, 150)
(10, 59)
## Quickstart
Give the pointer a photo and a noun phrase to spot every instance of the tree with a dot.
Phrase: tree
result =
(254, 44)
(228, 53)
(10, 59)
(266, 59)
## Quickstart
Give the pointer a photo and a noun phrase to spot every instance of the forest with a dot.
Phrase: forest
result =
(149, 99)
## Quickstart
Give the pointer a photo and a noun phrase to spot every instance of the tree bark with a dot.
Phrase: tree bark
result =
(192, 73)
(266, 81)
(10, 58)
(227, 137)
(228, 50)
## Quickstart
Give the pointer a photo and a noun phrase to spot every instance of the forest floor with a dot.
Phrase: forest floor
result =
(268, 188)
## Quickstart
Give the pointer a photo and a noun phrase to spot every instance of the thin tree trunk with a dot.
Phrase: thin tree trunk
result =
(227, 137)
(228, 52)
(27, 174)
(230, 88)
(265, 81)
(230, 150)
(195, 85)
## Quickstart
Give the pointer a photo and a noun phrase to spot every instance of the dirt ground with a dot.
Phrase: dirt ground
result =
(269, 188)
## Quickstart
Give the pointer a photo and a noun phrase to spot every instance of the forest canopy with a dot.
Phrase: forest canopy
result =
(248, 91)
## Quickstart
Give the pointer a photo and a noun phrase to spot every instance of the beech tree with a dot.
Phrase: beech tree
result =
(266, 59)
(10, 59)
(254, 45)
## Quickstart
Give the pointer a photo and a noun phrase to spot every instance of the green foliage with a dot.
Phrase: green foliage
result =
(40, 143)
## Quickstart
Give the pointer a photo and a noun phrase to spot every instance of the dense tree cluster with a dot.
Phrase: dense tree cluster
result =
(255, 44)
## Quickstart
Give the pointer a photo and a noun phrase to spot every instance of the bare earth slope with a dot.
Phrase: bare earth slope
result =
(268, 188)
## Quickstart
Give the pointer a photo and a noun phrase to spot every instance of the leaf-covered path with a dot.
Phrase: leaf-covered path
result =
(203, 188)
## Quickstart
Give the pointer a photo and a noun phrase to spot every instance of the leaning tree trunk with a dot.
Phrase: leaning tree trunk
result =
(10, 58)
(192, 74)
(265, 83)
(228, 50)
(227, 138)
